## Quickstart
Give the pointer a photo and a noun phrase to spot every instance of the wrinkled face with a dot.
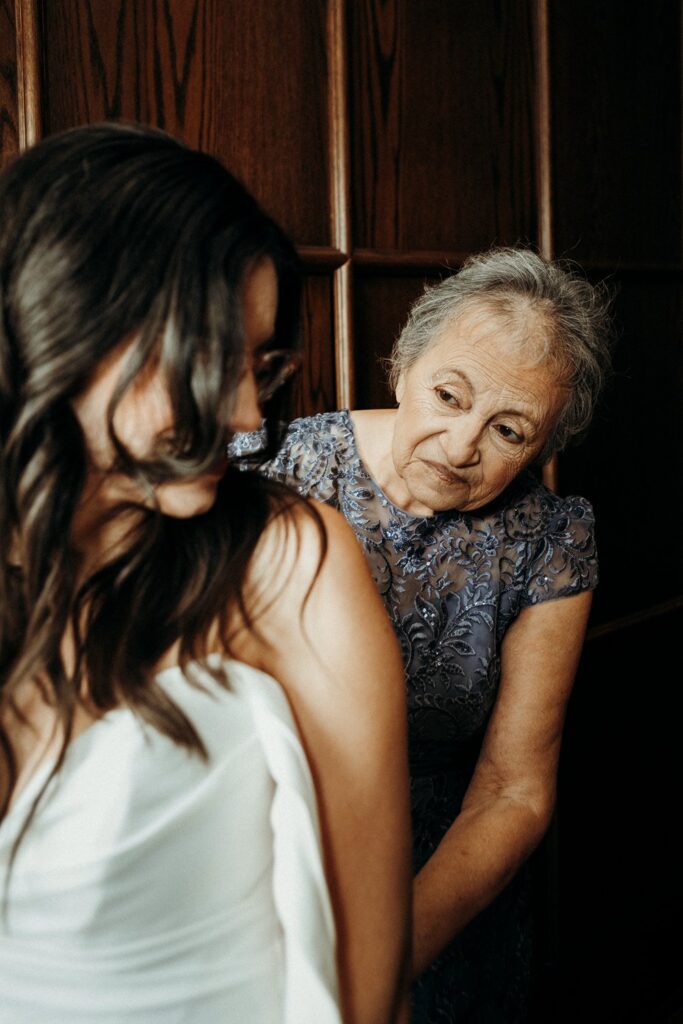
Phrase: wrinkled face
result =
(144, 414)
(474, 411)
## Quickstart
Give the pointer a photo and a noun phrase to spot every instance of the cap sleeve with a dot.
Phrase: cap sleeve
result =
(561, 558)
(311, 455)
(294, 462)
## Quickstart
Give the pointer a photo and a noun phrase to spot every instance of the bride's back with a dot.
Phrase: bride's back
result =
(163, 892)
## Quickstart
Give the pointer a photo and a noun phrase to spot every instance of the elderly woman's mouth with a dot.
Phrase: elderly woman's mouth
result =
(444, 474)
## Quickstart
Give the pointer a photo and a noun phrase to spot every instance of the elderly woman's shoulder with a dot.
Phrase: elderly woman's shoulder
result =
(531, 510)
(316, 429)
(320, 428)
(316, 440)
(550, 541)
(312, 453)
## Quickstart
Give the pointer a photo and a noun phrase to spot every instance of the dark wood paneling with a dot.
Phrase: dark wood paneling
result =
(315, 386)
(244, 81)
(9, 129)
(381, 305)
(616, 146)
(620, 793)
(630, 463)
(616, 110)
(442, 123)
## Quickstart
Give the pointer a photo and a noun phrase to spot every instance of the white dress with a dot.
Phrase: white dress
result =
(154, 886)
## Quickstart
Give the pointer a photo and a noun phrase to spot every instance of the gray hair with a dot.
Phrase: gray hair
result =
(542, 301)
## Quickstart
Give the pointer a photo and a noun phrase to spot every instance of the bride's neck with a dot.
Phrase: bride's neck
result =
(101, 525)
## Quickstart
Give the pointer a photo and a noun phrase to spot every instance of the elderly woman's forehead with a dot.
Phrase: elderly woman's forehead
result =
(519, 324)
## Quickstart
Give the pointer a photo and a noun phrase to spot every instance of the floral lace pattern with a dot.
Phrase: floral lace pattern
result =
(452, 583)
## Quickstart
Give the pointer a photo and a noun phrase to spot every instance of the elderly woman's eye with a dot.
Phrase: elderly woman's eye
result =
(446, 397)
(508, 434)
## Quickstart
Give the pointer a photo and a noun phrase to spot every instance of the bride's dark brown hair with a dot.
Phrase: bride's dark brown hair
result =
(108, 231)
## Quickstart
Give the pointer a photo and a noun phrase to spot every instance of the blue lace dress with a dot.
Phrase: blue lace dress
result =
(452, 584)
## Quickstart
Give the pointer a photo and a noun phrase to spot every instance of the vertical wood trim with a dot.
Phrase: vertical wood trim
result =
(544, 198)
(340, 199)
(546, 246)
(28, 72)
(544, 182)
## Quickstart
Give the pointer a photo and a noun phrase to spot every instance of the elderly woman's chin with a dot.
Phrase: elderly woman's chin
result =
(434, 488)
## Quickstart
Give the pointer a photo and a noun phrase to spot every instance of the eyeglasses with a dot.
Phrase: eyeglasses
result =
(273, 369)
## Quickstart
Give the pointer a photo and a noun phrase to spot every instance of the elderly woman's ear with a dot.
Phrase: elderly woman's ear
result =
(400, 387)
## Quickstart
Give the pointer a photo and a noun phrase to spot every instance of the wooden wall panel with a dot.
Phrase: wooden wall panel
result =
(442, 123)
(9, 127)
(381, 304)
(621, 847)
(615, 88)
(315, 386)
(616, 111)
(631, 460)
(244, 81)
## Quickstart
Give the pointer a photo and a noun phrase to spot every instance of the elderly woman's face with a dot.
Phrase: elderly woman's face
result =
(474, 411)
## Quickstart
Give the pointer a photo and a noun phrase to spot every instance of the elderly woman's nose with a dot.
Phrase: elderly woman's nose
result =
(461, 444)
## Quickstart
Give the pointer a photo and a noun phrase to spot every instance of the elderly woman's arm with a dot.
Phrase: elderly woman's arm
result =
(510, 800)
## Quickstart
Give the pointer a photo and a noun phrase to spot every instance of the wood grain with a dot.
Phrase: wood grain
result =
(543, 133)
(340, 198)
(408, 261)
(243, 81)
(315, 389)
(9, 121)
(442, 117)
(381, 305)
(29, 86)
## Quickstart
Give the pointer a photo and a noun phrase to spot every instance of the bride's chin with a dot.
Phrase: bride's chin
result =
(188, 499)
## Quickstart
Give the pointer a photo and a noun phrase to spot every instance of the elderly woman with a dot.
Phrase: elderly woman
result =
(487, 577)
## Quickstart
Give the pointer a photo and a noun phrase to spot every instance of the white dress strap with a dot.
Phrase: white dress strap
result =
(300, 888)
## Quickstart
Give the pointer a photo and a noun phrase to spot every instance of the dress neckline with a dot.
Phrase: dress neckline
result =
(40, 776)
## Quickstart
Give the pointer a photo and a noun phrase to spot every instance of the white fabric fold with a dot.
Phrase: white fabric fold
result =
(154, 886)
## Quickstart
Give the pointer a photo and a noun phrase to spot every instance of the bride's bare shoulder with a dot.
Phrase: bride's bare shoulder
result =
(302, 540)
(305, 565)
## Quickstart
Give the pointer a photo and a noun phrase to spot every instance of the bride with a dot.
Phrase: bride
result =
(203, 796)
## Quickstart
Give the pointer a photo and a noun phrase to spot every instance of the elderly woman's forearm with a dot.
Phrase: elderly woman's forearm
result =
(476, 859)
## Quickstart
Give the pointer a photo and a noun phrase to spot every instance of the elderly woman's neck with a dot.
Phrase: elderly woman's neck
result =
(374, 435)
